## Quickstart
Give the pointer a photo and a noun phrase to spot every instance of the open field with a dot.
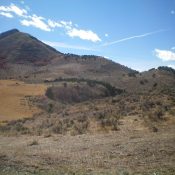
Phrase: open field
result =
(133, 149)
(14, 99)
(128, 134)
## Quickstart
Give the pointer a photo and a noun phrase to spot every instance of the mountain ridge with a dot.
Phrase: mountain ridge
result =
(67, 55)
(19, 47)
(25, 58)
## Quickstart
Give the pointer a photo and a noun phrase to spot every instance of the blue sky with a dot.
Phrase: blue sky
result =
(138, 34)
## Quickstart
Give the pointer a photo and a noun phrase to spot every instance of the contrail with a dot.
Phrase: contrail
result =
(132, 37)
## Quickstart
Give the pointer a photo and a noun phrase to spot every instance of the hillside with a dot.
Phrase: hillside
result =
(26, 58)
(21, 48)
(157, 80)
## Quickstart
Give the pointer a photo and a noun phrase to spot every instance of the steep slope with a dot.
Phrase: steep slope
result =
(21, 48)
(26, 58)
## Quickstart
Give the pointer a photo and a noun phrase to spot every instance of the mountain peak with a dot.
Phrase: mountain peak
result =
(9, 32)
(24, 49)
(13, 30)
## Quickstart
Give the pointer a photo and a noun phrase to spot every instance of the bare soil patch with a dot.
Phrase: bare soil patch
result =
(14, 99)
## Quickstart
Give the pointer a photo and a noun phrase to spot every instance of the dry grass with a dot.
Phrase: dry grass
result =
(95, 116)
(133, 149)
(129, 132)
(13, 101)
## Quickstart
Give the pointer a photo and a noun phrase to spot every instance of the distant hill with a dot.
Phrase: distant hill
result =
(24, 57)
(153, 80)
(22, 48)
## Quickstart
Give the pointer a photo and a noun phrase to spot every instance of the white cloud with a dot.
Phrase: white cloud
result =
(173, 48)
(106, 35)
(36, 21)
(74, 32)
(17, 10)
(172, 66)
(64, 45)
(13, 9)
(61, 24)
(6, 14)
(67, 24)
(132, 37)
(54, 24)
(40, 22)
(83, 34)
(165, 55)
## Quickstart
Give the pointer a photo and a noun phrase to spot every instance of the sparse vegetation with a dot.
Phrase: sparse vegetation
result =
(110, 90)
(165, 68)
(34, 142)
(105, 113)
(80, 91)
(143, 82)
(97, 117)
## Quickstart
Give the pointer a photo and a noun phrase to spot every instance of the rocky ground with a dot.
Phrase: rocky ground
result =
(133, 149)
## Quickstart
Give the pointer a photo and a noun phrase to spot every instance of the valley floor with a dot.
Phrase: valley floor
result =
(133, 149)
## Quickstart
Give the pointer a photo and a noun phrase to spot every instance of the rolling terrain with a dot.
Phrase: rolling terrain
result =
(65, 113)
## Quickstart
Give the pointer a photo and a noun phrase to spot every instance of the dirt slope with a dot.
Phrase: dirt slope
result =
(14, 99)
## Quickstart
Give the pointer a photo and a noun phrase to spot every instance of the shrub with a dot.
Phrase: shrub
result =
(155, 115)
(80, 127)
(110, 90)
(58, 128)
(132, 74)
(165, 68)
(155, 85)
(111, 122)
(34, 142)
(153, 75)
(50, 108)
(142, 82)
(49, 93)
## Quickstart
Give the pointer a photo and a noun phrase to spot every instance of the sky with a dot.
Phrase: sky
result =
(139, 34)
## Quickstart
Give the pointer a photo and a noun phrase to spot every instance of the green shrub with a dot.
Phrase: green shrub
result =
(49, 93)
